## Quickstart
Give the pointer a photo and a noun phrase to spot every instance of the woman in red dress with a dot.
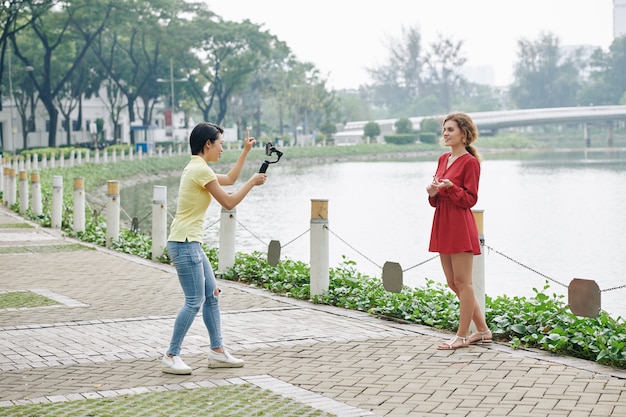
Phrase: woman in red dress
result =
(453, 192)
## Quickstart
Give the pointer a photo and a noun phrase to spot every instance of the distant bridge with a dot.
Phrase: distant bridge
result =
(492, 121)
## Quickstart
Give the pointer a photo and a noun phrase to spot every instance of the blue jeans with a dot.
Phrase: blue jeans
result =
(198, 283)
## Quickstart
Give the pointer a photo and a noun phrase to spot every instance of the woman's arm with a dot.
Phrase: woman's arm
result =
(230, 201)
(231, 177)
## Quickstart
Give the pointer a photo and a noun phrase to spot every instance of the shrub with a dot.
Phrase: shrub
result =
(403, 125)
(401, 138)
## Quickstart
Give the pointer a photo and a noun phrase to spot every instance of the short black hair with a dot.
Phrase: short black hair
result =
(201, 133)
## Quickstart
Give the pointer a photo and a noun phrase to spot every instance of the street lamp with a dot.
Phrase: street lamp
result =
(172, 99)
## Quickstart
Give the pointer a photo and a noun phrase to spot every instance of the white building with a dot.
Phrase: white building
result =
(11, 128)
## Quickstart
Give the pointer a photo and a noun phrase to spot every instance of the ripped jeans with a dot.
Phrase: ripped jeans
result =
(198, 283)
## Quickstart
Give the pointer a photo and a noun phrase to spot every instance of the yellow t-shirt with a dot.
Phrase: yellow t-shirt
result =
(193, 201)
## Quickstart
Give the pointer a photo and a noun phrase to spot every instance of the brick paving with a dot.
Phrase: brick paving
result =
(116, 316)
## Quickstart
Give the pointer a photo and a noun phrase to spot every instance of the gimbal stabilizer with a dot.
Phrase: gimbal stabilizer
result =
(269, 150)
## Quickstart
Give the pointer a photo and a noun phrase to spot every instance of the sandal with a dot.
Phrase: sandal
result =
(451, 346)
(482, 339)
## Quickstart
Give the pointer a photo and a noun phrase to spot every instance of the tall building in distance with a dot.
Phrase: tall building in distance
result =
(619, 18)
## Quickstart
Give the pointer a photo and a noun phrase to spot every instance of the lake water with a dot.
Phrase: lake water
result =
(559, 215)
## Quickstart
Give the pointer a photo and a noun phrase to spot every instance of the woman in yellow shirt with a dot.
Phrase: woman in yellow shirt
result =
(198, 186)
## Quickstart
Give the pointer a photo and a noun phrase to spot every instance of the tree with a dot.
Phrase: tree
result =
(131, 51)
(64, 35)
(399, 80)
(371, 131)
(403, 125)
(607, 83)
(443, 62)
(544, 76)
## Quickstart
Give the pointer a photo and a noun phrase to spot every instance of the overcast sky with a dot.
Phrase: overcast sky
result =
(344, 37)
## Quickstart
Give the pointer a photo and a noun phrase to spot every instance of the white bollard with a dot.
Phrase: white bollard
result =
(57, 202)
(130, 154)
(79, 157)
(226, 253)
(319, 247)
(35, 186)
(122, 155)
(52, 161)
(159, 220)
(28, 166)
(97, 157)
(62, 160)
(36, 162)
(478, 267)
(12, 193)
(87, 156)
(113, 156)
(79, 204)
(72, 157)
(2, 171)
(44, 161)
(23, 192)
(113, 212)
(105, 156)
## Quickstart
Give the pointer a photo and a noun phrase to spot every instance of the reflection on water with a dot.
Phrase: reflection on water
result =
(559, 215)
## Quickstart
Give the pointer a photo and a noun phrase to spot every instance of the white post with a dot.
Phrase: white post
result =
(97, 157)
(57, 202)
(44, 161)
(478, 267)
(36, 193)
(62, 160)
(130, 154)
(79, 204)
(52, 162)
(159, 220)
(226, 253)
(319, 247)
(35, 162)
(87, 156)
(23, 192)
(105, 155)
(2, 171)
(12, 198)
(113, 155)
(72, 157)
(79, 157)
(113, 212)
(28, 164)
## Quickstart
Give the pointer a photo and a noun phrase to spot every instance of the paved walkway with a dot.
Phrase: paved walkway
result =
(117, 311)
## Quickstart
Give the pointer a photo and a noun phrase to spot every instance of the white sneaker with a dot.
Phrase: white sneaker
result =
(175, 365)
(223, 360)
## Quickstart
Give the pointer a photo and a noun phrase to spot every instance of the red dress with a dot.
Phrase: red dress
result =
(454, 227)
